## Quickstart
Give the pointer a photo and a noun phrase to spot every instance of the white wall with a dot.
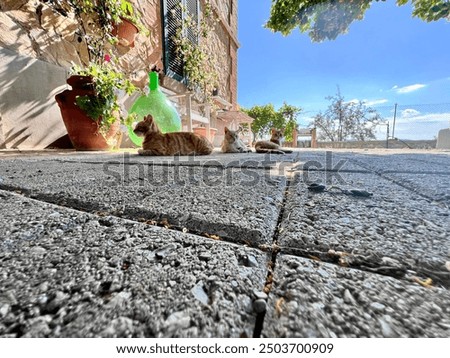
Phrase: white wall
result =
(443, 140)
(29, 115)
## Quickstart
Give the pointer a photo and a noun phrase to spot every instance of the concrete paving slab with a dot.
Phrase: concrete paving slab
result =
(391, 232)
(315, 299)
(424, 173)
(72, 274)
(239, 205)
(404, 163)
(327, 161)
(217, 159)
(433, 186)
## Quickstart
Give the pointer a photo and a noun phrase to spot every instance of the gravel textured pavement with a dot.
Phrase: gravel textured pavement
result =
(117, 245)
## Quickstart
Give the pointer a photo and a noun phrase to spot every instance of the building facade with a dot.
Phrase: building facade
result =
(41, 39)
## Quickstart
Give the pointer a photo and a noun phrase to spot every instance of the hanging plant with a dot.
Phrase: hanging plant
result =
(199, 61)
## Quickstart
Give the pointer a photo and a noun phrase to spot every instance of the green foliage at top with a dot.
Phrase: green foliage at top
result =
(326, 19)
(109, 12)
(267, 117)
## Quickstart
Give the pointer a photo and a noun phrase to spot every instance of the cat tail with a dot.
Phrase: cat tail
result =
(271, 151)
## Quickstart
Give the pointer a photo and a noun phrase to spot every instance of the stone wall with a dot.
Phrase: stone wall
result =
(226, 45)
(36, 29)
(397, 144)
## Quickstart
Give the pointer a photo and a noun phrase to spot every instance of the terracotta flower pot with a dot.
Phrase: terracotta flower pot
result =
(125, 31)
(202, 131)
(78, 82)
(82, 130)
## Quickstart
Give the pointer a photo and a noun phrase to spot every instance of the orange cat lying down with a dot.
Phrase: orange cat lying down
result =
(177, 143)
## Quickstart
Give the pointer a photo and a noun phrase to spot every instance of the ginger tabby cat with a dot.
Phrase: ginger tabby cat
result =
(274, 145)
(177, 143)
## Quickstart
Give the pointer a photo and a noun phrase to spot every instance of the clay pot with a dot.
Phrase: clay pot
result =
(78, 82)
(125, 31)
(202, 131)
(82, 130)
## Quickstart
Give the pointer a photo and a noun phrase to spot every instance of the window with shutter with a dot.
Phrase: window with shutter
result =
(173, 13)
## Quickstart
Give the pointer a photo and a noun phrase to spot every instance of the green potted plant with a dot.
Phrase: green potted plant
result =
(117, 19)
(90, 110)
(126, 23)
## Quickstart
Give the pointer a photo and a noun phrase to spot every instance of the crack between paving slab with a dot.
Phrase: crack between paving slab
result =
(230, 165)
(372, 263)
(324, 170)
(344, 259)
(381, 174)
(138, 216)
(275, 249)
(408, 273)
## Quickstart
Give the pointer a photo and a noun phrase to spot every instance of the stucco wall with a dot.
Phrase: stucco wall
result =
(443, 140)
(30, 117)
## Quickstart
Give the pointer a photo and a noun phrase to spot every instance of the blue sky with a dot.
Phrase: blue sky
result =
(387, 58)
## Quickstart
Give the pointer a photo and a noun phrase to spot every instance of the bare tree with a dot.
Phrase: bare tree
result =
(343, 121)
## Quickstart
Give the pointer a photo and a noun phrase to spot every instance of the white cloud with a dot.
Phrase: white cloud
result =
(417, 126)
(368, 102)
(408, 89)
(375, 102)
(409, 113)
(443, 118)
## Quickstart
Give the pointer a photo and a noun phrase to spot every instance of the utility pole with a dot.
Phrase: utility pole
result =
(393, 125)
(387, 135)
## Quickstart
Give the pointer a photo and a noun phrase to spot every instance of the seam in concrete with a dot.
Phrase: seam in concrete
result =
(381, 174)
(319, 170)
(259, 324)
(364, 263)
(179, 164)
(413, 173)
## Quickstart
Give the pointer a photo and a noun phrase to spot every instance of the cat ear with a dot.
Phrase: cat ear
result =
(274, 130)
(226, 130)
(148, 118)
